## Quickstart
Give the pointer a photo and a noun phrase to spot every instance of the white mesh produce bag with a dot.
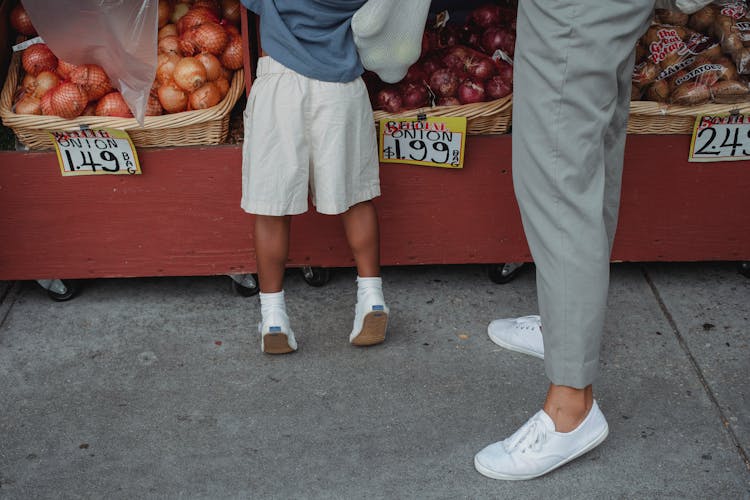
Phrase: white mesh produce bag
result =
(388, 35)
(686, 6)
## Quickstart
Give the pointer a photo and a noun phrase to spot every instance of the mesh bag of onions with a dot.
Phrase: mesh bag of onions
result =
(466, 58)
(119, 63)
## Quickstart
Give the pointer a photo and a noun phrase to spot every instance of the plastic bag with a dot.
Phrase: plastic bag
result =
(388, 35)
(118, 35)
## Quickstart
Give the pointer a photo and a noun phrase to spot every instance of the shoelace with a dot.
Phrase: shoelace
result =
(529, 323)
(531, 436)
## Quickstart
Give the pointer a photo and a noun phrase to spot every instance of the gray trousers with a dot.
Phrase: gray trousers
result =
(572, 72)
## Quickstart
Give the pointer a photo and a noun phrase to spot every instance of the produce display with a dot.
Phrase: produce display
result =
(461, 63)
(694, 59)
(199, 48)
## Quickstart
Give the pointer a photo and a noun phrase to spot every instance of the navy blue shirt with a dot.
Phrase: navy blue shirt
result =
(312, 37)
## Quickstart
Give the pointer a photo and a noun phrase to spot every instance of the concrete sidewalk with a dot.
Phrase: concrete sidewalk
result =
(156, 388)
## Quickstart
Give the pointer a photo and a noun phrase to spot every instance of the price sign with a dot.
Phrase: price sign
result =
(720, 137)
(95, 152)
(433, 142)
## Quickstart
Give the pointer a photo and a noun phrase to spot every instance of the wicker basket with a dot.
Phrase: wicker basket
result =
(647, 117)
(491, 117)
(206, 126)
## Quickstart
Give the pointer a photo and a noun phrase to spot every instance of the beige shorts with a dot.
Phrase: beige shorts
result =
(305, 136)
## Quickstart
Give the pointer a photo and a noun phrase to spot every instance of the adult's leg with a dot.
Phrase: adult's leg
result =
(569, 58)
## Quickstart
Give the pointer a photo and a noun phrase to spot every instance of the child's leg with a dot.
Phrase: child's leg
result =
(371, 313)
(361, 227)
(271, 249)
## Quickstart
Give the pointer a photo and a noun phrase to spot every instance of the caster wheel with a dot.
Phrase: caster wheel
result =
(316, 276)
(243, 290)
(71, 288)
(744, 268)
(504, 273)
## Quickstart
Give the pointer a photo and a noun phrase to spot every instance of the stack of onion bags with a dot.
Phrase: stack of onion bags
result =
(199, 49)
(460, 64)
(694, 59)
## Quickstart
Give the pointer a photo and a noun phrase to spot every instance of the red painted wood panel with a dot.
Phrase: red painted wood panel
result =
(182, 216)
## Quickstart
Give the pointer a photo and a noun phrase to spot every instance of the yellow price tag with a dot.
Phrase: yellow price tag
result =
(433, 142)
(95, 152)
(720, 137)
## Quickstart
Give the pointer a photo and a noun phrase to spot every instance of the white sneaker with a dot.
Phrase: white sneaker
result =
(536, 448)
(370, 318)
(522, 335)
(276, 336)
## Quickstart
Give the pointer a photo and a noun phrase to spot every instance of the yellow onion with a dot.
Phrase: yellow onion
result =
(153, 106)
(232, 56)
(195, 17)
(233, 31)
(230, 11)
(68, 100)
(92, 79)
(212, 5)
(210, 37)
(172, 98)
(113, 104)
(170, 44)
(38, 58)
(180, 9)
(168, 30)
(45, 81)
(64, 69)
(206, 96)
(165, 10)
(45, 103)
(21, 22)
(165, 64)
(29, 84)
(189, 74)
(28, 105)
(223, 85)
(212, 65)
(90, 109)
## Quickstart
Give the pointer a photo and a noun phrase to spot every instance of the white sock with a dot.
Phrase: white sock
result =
(272, 302)
(374, 284)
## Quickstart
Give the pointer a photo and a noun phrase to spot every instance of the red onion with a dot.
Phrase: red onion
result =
(486, 16)
(390, 100)
(471, 91)
(416, 74)
(448, 101)
(444, 82)
(432, 64)
(472, 36)
(497, 87)
(481, 67)
(413, 95)
(498, 38)
(504, 70)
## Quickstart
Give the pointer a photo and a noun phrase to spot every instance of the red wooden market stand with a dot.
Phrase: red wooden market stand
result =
(182, 216)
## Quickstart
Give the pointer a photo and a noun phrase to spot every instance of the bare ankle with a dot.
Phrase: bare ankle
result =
(568, 406)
